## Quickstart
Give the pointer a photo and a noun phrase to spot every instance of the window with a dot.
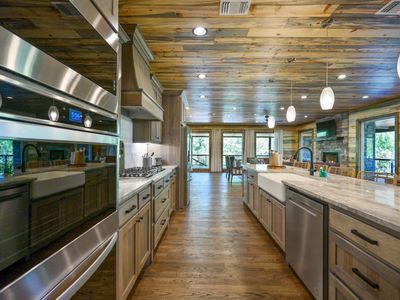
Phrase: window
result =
(232, 145)
(264, 144)
(201, 151)
(306, 140)
(6, 157)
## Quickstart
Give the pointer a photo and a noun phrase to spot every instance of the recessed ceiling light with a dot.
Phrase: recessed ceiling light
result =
(9, 97)
(365, 97)
(187, 107)
(234, 108)
(202, 76)
(306, 116)
(200, 31)
(304, 97)
(342, 76)
(214, 114)
(255, 114)
(202, 96)
(282, 108)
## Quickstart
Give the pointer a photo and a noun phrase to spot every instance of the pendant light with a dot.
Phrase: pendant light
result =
(1, 100)
(327, 98)
(291, 111)
(53, 113)
(271, 122)
(398, 66)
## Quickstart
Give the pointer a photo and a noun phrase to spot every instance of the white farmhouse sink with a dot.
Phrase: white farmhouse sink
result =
(272, 183)
(53, 182)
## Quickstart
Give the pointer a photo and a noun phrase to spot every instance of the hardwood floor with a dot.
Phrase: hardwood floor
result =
(215, 249)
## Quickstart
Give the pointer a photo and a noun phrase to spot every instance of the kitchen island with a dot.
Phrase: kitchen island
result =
(356, 239)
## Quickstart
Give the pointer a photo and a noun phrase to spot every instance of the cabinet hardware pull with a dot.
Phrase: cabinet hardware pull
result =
(141, 218)
(167, 180)
(163, 222)
(160, 187)
(145, 197)
(130, 209)
(365, 278)
(363, 237)
(163, 201)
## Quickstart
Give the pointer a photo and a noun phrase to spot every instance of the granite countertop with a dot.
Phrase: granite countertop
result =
(89, 167)
(15, 180)
(130, 186)
(375, 202)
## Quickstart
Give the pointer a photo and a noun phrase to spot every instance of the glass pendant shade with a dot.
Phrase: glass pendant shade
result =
(271, 122)
(398, 66)
(87, 122)
(1, 100)
(53, 113)
(291, 114)
(327, 98)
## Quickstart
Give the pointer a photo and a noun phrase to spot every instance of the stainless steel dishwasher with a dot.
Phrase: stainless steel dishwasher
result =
(306, 241)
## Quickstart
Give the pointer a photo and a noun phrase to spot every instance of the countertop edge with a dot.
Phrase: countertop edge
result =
(378, 222)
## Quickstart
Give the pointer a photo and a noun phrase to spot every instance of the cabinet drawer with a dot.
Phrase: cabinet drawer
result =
(160, 226)
(167, 180)
(377, 242)
(158, 187)
(366, 276)
(144, 196)
(128, 209)
(160, 203)
(338, 291)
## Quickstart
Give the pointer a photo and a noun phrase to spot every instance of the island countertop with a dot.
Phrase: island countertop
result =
(374, 202)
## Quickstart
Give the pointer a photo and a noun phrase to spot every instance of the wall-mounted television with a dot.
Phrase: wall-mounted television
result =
(326, 129)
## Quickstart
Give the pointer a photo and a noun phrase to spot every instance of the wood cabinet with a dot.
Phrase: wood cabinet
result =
(147, 131)
(99, 189)
(338, 290)
(265, 210)
(172, 194)
(253, 197)
(134, 249)
(50, 215)
(278, 223)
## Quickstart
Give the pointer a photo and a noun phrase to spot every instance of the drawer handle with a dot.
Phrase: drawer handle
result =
(363, 237)
(130, 209)
(160, 187)
(146, 197)
(365, 278)
(163, 200)
(167, 180)
(163, 222)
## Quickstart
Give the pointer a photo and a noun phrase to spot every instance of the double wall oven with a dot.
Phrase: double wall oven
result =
(59, 150)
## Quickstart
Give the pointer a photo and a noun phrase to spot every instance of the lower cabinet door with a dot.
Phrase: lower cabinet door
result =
(143, 236)
(278, 223)
(127, 258)
(338, 291)
(71, 207)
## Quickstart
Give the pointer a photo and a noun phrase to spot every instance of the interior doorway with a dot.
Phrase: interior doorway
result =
(378, 149)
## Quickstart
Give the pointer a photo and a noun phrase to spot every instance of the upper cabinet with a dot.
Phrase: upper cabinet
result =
(82, 35)
(109, 9)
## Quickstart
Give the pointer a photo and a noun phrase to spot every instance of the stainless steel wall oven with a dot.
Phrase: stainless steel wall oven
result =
(58, 176)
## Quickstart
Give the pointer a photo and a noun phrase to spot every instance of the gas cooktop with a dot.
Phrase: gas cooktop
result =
(141, 172)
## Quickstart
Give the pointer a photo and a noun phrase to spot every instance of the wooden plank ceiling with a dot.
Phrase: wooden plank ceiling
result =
(246, 58)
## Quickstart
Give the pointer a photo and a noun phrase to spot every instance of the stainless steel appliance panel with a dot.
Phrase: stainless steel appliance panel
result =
(14, 233)
(21, 57)
(306, 241)
(45, 278)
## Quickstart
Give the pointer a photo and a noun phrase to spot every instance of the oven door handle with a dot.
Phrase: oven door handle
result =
(81, 280)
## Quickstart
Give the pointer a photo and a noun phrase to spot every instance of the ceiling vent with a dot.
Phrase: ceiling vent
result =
(234, 7)
(66, 9)
(390, 9)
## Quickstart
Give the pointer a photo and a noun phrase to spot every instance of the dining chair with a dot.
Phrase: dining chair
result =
(395, 180)
(235, 170)
(302, 165)
(380, 177)
(343, 171)
(319, 166)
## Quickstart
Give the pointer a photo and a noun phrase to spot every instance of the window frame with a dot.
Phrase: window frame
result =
(242, 132)
(271, 142)
(193, 134)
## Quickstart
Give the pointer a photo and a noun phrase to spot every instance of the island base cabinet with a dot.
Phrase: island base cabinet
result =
(265, 211)
(339, 291)
(134, 250)
(278, 223)
(365, 276)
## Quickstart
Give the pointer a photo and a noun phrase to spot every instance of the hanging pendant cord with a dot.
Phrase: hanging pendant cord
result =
(291, 92)
(327, 51)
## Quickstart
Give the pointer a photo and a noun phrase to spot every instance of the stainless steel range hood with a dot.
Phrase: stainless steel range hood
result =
(138, 94)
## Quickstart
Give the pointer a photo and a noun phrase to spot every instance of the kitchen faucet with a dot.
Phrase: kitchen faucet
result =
(23, 166)
(312, 158)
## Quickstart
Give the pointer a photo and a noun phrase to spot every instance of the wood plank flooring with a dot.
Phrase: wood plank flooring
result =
(215, 249)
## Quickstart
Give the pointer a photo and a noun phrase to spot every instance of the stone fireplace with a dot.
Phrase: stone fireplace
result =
(332, 157)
